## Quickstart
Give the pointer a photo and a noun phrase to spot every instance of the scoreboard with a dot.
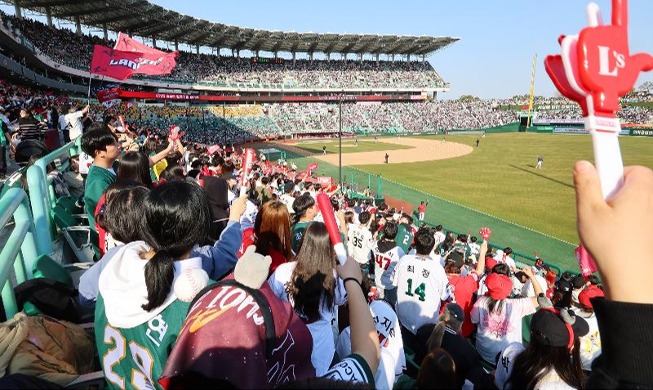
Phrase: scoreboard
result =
(266, 60)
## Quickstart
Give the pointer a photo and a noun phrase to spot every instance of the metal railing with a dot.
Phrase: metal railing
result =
(19, 251)
(42, 197)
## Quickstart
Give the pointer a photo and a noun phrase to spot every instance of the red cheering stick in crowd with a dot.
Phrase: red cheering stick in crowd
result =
(248, 161)
(485, 232)
(585, 261)
(174, 133)
(324, 204)
(212, 149)
(122, 123)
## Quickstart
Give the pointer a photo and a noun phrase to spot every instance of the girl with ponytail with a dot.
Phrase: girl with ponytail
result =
(147, 286)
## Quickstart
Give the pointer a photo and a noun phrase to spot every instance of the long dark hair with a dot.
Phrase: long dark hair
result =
(176, 217)
(438, 371)
(135, 166)
(313, 276)
(539, 359)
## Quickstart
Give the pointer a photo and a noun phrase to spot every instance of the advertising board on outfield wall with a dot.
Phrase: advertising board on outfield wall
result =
(581, 130)
(641, 132)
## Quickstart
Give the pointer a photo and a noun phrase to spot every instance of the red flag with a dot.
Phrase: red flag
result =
(122, 64)
(127, 43)
(312, 167)
(114, 63)
(108, 94)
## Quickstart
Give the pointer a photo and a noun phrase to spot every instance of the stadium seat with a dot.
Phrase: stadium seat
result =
(80, 239)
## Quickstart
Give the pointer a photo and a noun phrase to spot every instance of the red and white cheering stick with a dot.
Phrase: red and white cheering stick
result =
(248, 161)
(122, 123)
(324, 204)
(173, 132)
(595, 69)
(485, 233)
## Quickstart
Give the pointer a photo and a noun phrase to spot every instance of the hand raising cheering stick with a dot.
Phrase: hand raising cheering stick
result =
(174, 133)
(595, 69)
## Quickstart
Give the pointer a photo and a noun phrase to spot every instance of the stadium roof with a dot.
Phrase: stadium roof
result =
(145, 19)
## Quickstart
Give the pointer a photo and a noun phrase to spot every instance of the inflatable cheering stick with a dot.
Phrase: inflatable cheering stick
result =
(595, 69)
(248, 161)
(174, 133)
(324, 204)
(485, 233)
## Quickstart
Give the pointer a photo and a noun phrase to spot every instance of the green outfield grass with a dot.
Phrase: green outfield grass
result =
(349, 146)
(499, 177)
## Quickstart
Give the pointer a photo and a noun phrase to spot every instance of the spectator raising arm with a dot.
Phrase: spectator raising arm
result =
(364, 339)
(480, 264)
(162, 154)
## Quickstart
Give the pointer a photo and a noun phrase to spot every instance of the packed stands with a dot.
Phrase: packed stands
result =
(68, 48)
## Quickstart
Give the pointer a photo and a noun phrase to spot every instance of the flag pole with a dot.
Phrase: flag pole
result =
(88, 98)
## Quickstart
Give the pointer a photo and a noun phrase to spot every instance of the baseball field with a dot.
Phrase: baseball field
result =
(498, 178)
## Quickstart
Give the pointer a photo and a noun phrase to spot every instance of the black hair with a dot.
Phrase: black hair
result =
(176, 217)
(424, 242)
(335, 204)
(97, 138)
(390, 230)
(173, 173)
(408, 218)
(300, 205)
(538, 360)
(501, 268)
(124, 214)
(364, 217)
(135, 166)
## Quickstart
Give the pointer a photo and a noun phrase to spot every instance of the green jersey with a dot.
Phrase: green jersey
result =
(297, 234)
(134, 358)
(97, 182)
(404, 237)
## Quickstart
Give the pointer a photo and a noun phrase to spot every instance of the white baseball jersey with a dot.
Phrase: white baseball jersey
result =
(384, 265)
(360, 243)
(421, 286)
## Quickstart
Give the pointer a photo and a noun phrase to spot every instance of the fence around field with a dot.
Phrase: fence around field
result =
(458, 218)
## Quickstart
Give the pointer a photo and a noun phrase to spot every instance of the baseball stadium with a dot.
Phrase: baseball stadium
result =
(361, 118)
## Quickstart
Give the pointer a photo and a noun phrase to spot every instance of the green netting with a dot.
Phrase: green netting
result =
(458, 218)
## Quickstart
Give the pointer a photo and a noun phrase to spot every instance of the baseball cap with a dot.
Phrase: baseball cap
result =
(589, 292)
(456, 311)
(490, 262)
(548, 327)
(564, 286)
(499, 286)
(243, 336)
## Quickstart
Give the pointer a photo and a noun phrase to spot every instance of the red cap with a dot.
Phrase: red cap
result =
(589, 292)
(490, 262)
(499, 286)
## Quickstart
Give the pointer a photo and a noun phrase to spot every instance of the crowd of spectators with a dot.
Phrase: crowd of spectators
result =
(67, 47)
(411, 306)
(408, 296)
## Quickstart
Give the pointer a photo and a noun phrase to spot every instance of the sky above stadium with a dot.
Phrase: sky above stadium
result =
(498, 37)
